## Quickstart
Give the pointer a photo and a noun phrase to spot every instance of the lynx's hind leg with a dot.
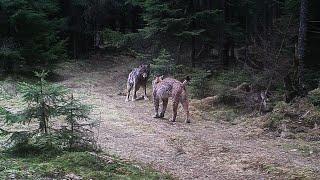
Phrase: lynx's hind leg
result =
(164, 107)
(175, 109)
(156, 107)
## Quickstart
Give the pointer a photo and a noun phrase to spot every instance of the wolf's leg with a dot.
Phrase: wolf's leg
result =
(145, 92)
(164, 107)
(129, 88)
(134, 97)
(156, 107)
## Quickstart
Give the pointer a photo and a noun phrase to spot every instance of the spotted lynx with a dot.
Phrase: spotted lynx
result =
(169, 87)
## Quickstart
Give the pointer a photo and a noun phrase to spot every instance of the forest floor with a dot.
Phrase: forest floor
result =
(203, 149)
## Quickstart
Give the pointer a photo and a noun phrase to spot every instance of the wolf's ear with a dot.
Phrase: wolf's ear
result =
(188, 78)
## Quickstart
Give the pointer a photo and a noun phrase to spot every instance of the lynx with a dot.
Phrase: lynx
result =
(169, 87)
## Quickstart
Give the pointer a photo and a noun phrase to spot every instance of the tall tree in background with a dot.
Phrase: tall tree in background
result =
(302, 39)
(29, 34)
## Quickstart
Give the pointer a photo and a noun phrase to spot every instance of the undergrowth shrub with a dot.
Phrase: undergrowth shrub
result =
(164, 65)
(118, 40)
(233, 78)
(199, 83)
(294, 116)
(47, 105)
(314, 97)
(113, 38)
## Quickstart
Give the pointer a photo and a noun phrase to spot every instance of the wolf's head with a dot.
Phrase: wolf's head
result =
(144, 70)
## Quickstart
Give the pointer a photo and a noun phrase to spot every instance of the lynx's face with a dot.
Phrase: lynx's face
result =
(156, 80)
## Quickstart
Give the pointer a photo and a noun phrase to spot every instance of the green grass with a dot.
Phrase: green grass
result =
(83, 164)
(304, 148)
(288, 172)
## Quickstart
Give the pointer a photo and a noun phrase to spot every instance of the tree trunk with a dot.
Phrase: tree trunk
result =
(301, 39)
(221, 32)
(294, 83)
(193, 52)
(74, 46)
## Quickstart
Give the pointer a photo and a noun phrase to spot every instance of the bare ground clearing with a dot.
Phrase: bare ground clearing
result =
(200, 150)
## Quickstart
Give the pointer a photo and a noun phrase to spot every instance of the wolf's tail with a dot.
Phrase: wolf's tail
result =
(186, 80)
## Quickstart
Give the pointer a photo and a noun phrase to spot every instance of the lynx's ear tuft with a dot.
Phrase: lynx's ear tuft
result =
(158, 76)
(157, 79)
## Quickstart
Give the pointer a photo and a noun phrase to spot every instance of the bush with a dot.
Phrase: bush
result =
(296, 116)
(233, 78)
(314, 97)
(113, 38)
(118, 40)
(164, 65)
(199, 83)
(46, 104)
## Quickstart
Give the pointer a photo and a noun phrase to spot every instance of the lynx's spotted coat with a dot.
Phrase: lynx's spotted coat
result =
(169, 87)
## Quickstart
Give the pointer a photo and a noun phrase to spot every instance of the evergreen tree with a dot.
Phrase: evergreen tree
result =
(43, 101)
(29, 32)
(163, 64)
(46, 104)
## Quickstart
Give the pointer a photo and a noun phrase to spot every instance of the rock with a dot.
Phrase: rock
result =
(210, 100)
(121, 94)
(245, 87)
(12, 176)
(287, 135)
(72, 176)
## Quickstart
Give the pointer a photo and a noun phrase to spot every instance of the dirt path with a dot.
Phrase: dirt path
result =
(200, 150)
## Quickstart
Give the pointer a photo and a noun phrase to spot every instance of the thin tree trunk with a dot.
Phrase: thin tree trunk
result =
(193, 52)
(302, 38)
(221, 32)
(294, 83)
(74, 46)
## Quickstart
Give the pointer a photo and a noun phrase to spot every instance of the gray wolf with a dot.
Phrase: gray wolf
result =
(169, 87)
(138, 77)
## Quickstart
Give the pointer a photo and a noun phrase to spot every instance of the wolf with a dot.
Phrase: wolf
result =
(169, 87)
(138, 77)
